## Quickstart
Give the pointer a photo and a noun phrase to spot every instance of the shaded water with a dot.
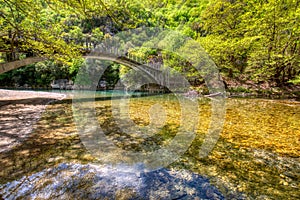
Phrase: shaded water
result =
(256, 156)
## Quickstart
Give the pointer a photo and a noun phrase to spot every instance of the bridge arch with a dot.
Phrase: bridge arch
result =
(149, 71)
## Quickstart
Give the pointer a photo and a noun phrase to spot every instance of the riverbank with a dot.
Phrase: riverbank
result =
(19, 111)
(247, 88)
(235, 88)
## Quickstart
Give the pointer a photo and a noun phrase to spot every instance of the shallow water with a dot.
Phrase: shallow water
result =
(256, 156)
(94, 182)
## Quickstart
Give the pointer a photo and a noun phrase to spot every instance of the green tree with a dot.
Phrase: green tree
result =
(259, 39)
(45, 27)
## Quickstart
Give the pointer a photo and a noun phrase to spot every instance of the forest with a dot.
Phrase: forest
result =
(254, 43)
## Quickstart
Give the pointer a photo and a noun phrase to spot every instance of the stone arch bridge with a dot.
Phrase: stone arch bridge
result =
(154, 71)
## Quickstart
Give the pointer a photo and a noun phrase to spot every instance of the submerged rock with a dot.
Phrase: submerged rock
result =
(191, 94)
(76, 181)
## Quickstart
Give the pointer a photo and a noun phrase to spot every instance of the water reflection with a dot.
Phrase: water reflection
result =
(76, 181)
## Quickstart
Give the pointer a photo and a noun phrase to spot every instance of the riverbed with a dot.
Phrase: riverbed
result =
(255, 157)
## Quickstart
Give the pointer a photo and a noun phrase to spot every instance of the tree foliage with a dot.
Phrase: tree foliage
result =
(256, 39)
(253, 40)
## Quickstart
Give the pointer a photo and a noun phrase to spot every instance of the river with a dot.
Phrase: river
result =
(256, 155)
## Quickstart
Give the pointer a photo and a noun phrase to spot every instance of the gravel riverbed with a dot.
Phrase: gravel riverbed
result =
(19, 111)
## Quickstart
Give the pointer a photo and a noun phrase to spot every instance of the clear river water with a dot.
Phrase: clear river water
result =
(256, 154)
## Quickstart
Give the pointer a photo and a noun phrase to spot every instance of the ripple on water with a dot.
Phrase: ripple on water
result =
(68, 181)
